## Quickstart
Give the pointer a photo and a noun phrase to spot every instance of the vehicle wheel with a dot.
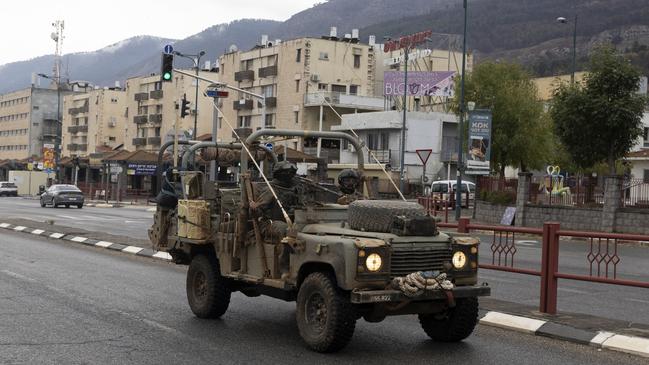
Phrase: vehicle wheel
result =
(455, 324)
(42, 204)
(377, 215)
(67, 205)
(80, 206)
(208, 292)
(325, 317)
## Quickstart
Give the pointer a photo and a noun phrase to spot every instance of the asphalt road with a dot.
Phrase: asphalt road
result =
(126, 221)
(62, 303)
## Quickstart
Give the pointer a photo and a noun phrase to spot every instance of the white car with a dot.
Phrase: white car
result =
(445, 188)
(8, 189)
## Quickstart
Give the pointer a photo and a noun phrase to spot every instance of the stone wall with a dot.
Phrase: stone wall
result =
(489, 213)
(632, 220)
(572, 218)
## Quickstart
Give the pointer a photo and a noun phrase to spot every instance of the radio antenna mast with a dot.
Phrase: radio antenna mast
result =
(57, 37)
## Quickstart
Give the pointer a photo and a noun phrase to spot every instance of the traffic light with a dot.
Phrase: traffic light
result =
(184, 106)
(166, 72)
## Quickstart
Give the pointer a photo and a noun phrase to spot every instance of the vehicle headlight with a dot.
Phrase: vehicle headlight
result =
(459, 260)
(373, 262)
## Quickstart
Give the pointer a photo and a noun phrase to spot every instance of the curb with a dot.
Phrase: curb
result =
(600, 339)
(133, 250)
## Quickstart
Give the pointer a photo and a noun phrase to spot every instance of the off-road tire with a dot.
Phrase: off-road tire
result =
(67, 205)
(377, 215)
(336, 326)
(208, 293)
(455, 324)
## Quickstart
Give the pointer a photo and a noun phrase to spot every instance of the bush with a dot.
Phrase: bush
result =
(498, 197)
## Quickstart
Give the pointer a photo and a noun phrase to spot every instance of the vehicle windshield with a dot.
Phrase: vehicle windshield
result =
(65, 188)
(464, 187)
(8, 185)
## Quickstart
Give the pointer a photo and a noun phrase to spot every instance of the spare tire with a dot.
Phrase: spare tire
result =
(377, 215)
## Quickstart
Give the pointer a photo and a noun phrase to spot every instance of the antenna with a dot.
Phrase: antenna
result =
(57, 37)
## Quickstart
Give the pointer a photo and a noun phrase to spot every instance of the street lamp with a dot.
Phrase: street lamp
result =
(460, 167)
(563, 20)
(57, 146)
(196, 58)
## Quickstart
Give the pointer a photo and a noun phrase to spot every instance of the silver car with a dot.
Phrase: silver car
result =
(62, 194)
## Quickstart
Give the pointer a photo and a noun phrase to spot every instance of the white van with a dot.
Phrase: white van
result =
(442, 188)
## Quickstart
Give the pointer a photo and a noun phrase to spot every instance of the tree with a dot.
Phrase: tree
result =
(521, 136)
(600, 120)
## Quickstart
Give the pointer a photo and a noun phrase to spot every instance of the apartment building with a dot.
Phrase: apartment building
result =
(303, 81)
(93, 121)
(152, 110)
(28, 122)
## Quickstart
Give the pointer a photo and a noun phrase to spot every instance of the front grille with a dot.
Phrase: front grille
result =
(406, 260)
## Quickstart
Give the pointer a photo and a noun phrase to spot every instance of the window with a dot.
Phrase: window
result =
(353, 89)
(157, 131)
(298, 55)
(269, 120)
(357, 61)
(324, 56)
(143, 109)
(244, 121)
(372, 141)
(322, 87)
(141, 132)
(158, 109)
(646, 137)
(112, 139)
(268, 90)
(645, 176)
(385, 137)
(297, 117)
(220, 122)
(157, 85)
(297, 86)
(339, 88)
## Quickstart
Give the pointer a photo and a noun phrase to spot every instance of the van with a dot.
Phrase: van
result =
(442, 188)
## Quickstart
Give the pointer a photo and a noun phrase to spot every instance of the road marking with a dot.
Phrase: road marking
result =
(637, 300)
(103, 244)
(79, 239)
(162, 255)
(37, 231)
(4, 225)
(20, 228)
(629, 344)
(132, 249)
(527, 243)
(601, 337)
(57, 235)
(575, 291)
(17, 276)
(512, 322)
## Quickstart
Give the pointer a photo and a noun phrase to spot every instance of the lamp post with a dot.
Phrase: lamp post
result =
(57, 144)
(196, 58)
(563, 20)
(460, 127)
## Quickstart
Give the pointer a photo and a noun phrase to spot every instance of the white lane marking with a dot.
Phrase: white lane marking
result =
(17, 276)
(575, 291)
(57, 235)
(637, 300)
(20, 228)
(4, 225)
(37, 231)
(527, 243)
(512, 322)
(630, 344)
(601, 337)
(79, 239)
(103, 244)
(132, 249)
(162, 255)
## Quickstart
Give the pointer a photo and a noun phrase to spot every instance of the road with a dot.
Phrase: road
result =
(130, 222)
(71, 304)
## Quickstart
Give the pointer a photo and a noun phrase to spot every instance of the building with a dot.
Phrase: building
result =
(152, 110)
(381, 132)
(303, 81)
(93, 121)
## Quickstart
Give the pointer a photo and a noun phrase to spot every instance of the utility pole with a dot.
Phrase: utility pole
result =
(402, 152)
(460, 127)
(197, 60)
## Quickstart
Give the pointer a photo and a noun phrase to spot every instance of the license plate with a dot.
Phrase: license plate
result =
(72, 198)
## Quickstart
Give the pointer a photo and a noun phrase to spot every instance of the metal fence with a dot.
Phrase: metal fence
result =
(601, 256)
(635, 193)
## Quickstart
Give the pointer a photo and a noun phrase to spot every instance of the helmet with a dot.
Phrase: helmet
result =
(349, 180)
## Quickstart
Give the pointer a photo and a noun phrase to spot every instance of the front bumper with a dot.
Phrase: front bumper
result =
(391, 295)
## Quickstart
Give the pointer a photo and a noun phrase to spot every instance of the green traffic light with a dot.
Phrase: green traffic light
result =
(166, 76)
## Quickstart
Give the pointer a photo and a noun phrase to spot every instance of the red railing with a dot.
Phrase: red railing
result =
(602, 256)
(435, 206)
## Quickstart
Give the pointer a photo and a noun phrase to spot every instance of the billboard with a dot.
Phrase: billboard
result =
(48, 156)
(478, 158)
(420, 83)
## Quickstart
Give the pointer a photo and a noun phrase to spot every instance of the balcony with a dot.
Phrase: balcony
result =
(155, 118)
(141, 96)
(77, 147)
(243, 104)
(51, 131)
(140, 119)
(268, 71)
(156, 94)
(244, 75)
(343, 100)
(78, 128)
(139, 141)
(153, 140)
(271, 102)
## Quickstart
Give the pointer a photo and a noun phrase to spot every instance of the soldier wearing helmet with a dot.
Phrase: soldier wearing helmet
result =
(349, 183)
(272, 223)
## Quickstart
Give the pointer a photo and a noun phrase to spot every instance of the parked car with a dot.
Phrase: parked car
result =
(442, 188)
(62, 194)
(8, 189)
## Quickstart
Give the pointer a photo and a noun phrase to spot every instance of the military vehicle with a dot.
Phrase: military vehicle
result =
(369, 259)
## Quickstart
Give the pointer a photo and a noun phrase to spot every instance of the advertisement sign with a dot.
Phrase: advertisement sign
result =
(478, 156)
(141, 169)
(48, 156)
(420, 83)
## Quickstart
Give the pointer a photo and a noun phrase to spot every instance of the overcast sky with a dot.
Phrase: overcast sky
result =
(26, 25)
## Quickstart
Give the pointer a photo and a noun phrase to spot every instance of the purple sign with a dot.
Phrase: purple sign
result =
(421, 83)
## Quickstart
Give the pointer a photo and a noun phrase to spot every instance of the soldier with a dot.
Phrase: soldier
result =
(272, 223)
(349, 182)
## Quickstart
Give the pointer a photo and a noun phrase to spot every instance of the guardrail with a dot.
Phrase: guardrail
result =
(601, 257)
